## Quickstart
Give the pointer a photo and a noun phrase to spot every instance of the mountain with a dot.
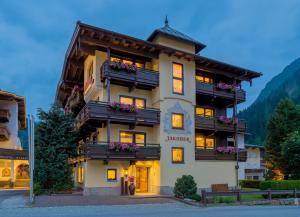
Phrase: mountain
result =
(285, 84)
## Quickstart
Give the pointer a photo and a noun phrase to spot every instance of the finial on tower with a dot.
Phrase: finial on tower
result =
(166, 21)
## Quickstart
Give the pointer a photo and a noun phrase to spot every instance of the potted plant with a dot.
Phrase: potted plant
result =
(131, 185)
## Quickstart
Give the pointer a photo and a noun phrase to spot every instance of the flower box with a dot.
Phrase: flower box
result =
(226, 120)
(121, 146)
(226, 150)
(116, 106)
(123, 66)
(224, 86)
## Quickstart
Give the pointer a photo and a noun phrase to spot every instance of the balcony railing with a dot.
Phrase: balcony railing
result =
(212, 90)
(204, 123)
(4, 115)
(201, 154)
(95, 111)
(101, 151)
(142, 78)
(4, 134)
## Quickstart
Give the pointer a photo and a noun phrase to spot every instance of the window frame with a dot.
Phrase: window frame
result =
(133, 136)
(177, 162)
(116, 175)
(205, 76)
(205, 145)
(182, 115)
(177, 78)
(134, 99)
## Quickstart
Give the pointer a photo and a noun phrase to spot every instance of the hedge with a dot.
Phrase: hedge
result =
(280, 185)
(250, 183)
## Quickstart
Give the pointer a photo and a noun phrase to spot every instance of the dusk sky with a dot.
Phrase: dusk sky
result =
(262, 35)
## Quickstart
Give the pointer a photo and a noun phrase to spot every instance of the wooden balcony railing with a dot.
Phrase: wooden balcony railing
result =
(201, 154)
(102, 151)
(142, 78)
(96, 111)
(4, 115)
(212, 90)
(4, 134)
(204, 123)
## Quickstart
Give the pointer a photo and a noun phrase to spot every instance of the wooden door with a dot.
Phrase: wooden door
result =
(141, 179)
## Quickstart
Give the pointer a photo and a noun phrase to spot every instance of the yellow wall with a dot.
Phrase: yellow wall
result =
(179, 45)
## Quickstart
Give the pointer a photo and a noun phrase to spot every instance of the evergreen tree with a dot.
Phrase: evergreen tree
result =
(282, 122)
(291, 154)
(55, 143)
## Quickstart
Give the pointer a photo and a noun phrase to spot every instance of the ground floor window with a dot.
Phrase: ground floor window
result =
(111, 174)
(177, 155)
(205, 142)
(80, 174)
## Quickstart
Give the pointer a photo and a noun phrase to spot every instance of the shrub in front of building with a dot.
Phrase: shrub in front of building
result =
(280, 185)
(250, 184)
(185, 187)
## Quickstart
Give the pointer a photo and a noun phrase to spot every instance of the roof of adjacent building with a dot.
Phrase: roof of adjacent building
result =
(4, 95)
(172, 33)
(254, 146)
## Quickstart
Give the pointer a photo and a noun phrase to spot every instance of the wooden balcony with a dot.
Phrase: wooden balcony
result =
(4, 134)
(101, 151)
(96, 112)
(212, 90)
(214, 155)
(214, 124)
(142, 78)
(4, 115)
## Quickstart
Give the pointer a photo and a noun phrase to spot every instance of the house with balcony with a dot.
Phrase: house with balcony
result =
(255, 166)
(152, 110)
(13, 159)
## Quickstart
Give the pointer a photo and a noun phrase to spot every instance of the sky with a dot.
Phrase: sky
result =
(262, 35)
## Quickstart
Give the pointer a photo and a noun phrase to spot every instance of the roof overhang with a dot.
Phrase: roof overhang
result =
(13, 154)
(4, 95)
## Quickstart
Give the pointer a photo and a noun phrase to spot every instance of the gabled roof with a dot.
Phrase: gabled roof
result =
(254, 146)
(170, 32)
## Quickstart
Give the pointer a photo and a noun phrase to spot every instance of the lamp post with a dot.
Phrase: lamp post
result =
(31, 154)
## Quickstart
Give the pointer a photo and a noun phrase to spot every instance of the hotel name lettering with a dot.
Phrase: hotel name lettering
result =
(178, 138)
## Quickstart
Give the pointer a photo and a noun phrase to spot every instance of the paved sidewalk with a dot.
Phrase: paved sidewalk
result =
(13, 199)
(80, 200)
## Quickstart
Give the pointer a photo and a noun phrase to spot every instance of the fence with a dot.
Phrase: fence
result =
(239, 193)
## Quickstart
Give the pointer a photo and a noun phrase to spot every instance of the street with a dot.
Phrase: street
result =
(155, 210)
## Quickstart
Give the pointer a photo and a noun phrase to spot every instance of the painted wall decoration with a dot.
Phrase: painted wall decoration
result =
(6, 172)
(177, 108)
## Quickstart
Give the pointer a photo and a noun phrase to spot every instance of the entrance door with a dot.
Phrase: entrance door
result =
(141, 179)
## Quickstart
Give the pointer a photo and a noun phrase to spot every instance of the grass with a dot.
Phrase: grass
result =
(233, 199)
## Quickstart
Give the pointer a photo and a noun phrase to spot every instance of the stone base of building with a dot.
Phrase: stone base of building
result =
(108, 191)
(166, 190)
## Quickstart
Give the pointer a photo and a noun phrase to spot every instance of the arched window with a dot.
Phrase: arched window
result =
(22, 171)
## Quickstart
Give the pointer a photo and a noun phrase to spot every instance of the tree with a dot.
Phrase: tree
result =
(291, 154)
(185, 187)
(55, 142)
(284, 120)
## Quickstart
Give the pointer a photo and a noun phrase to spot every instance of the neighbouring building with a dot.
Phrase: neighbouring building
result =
(153, 109)
(14, 166)
(255, 165)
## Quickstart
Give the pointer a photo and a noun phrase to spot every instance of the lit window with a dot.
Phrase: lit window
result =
(127, 62)
(205, 112)
(177, 155)
(200, 141)
(126, 100)
(80, 174)
(204, 78)
(177, 78)
(111, 174)
(177, 121)
(126, 137)
(115, 59)
(140, 139)
(203, 142)
(140, 103)
(140, 65)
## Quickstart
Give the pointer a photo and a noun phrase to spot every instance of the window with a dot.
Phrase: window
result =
(204, 78)
(80, 174)
(177, 121)
(177, 155)
(205, 112)
(138, 102)
(139, 64)
(133, 137)
(177, 78)
(111, 174)
(205, 142)
(255, 177)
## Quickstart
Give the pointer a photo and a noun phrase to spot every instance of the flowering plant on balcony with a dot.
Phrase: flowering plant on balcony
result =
(123, 146)
(226, 120)
(224, 86)
(123, 66)
(123, 107)
(226, 150)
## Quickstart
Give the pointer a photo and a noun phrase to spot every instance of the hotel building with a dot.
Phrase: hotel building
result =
(153, 109)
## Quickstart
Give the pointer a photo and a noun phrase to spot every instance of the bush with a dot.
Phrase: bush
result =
(195, 197)
(185, 187)
(280, 185)
(250, 184)
(224, 199)
(37, 189)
